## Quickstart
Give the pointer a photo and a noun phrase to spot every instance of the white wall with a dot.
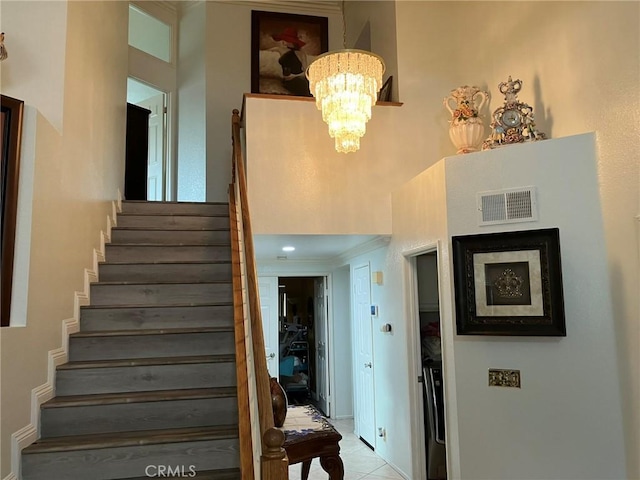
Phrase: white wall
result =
(341, 362)
(580, 67)
(419, 224)
(566, 420)
(374, 23)
(310, 188)
(192, 90)
(78, 165)
(30, 61)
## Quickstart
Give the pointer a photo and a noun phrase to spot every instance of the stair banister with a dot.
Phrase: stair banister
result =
(273, 460)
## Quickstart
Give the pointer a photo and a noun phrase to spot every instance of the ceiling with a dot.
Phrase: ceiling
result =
(307, 247)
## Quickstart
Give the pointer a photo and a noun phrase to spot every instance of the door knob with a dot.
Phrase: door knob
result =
(271, 355)
(368, 364)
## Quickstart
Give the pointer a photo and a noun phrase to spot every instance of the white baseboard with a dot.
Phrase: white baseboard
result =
(31, 432)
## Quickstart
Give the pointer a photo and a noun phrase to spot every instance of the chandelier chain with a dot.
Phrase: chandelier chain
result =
(344, 25)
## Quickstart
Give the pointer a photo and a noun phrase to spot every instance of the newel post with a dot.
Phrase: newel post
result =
(275, 465)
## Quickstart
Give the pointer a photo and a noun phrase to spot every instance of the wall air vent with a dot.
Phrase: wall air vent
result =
(511, 205)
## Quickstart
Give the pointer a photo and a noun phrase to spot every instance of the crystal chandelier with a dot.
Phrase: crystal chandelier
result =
(345, 85)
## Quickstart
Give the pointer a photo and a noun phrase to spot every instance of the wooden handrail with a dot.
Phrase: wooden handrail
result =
(242, 383)
(273, 463)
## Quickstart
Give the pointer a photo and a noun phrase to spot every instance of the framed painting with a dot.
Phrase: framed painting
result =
(282, 47)
(509, 284)
(10, 136)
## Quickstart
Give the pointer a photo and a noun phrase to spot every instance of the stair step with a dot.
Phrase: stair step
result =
(173, 222)
(159, 272)
(174, 237)
(103, 318)
(145, 374)
(169, 208)
(151, 377)
(110, 413)
(128, 454)
(143, 253)
(130, 344)
(226, 474)
(104, 293)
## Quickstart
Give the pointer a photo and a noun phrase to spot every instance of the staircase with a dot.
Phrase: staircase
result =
(149, 389)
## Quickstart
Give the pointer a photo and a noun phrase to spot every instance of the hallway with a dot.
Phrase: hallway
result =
(360, 463)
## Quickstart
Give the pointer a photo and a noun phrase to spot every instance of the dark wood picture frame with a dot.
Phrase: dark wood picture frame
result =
(384, 95)
(509, 284)
(11, 128)
(282, 47)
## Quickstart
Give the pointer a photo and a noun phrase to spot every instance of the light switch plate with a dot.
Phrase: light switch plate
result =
(504, 378)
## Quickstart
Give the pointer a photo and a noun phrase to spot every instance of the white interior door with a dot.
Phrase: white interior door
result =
(365, 424)
(268, 289)
(157, 142)
(321, 336)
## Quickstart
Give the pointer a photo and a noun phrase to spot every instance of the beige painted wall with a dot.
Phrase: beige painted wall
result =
(228, 55)
(78, 169)
(580, 67)
(561, 423)
(299, 184)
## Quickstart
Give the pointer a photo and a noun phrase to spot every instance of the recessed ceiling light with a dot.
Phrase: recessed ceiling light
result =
(288, 248)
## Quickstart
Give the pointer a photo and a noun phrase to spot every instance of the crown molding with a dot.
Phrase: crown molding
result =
(168, 5)
(311, 6)
(371, 245)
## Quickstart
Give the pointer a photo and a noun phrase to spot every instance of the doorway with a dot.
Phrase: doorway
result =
(303, 340)
(154, 100)
(365, 422)
(431, 368)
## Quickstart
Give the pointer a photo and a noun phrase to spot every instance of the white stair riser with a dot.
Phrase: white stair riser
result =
(82, 420)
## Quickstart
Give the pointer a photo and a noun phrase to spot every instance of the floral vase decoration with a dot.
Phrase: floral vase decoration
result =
(466, 128)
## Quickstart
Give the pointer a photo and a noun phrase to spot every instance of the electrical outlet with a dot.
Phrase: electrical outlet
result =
(504, 378)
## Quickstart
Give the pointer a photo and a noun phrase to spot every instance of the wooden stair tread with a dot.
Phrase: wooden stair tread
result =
(129, 439)
(164, 229)
(199, 305)
(139, 362)
(151, 331)
(172, 262)
(174, 202)
(174, 230)
(139, 397)
(170, 245)
(168, 282)
(172, 214)
(225, 474)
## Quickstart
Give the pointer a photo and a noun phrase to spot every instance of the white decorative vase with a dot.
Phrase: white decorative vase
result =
(467, 128)
(467, 136)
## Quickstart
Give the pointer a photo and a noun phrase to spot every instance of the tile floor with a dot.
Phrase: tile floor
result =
(360, 462)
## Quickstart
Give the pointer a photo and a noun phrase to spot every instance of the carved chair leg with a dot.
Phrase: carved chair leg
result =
(306, 466)
(333, 466)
